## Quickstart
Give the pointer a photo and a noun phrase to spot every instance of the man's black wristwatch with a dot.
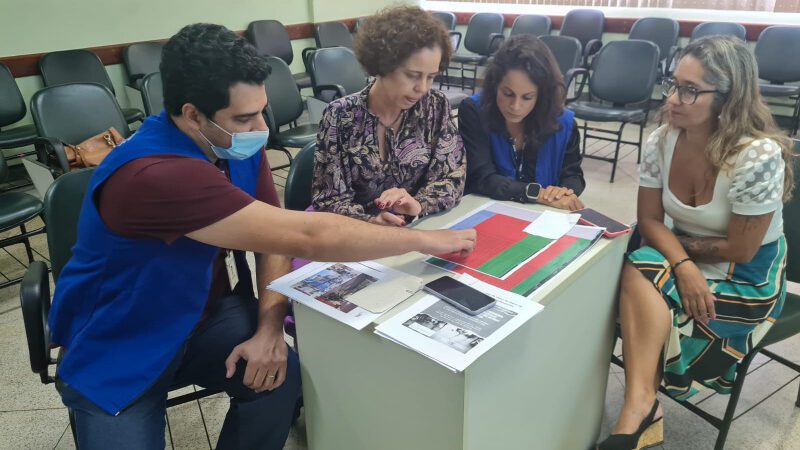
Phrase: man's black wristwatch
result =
(532, 192)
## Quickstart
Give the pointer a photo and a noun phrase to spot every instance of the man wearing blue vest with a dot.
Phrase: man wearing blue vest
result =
(158, 293)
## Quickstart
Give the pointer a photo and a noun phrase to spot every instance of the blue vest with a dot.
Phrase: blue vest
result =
(550, 158)
(123, 307)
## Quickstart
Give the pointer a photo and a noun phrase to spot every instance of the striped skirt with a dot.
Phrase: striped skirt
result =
(749, 299)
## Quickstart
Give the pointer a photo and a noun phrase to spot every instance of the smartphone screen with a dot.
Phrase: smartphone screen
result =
(595, 218)
(448, 288)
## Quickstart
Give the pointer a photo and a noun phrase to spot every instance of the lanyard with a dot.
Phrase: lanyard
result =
(518, 158)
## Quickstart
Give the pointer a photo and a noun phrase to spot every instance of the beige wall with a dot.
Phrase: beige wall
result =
(327, 10)
(47, 25)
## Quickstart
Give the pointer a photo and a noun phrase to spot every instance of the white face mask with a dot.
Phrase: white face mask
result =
(243, 144)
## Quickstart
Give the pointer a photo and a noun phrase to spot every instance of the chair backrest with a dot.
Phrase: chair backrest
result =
(336, 65)
(778, 54)
(62, 206)
(283, 96)
(479, 31)
(270, 38)
(73, 66)
(447, 18)
(791, 219)
(297, 195)
(719, 28)
(584, 25)
(359, 23)
(152, 94)
(12, 106)
(142, 58)
(659, 30)
(624, 72)
(531, 24)
(333, 34)
(73, 113)
(566, 49)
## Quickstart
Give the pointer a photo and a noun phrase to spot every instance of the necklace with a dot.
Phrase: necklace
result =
(391, 124)
(518, 146)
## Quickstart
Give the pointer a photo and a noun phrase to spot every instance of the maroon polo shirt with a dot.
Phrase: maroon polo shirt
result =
(166, 197)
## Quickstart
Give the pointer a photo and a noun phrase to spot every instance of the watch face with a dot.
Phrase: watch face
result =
(532, 190)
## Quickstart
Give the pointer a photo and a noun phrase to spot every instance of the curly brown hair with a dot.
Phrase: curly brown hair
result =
(529, 54)
(389, 37)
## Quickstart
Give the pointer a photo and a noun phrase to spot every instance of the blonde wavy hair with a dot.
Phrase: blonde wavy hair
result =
(732, 69)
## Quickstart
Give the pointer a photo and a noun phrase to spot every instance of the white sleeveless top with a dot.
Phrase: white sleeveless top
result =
(754, 186)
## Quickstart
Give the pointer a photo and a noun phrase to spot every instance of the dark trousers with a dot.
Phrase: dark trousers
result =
(254, 421)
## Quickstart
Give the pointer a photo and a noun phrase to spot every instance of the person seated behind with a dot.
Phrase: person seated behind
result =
(158, 293)
(522, 144)
(391, 152)
(700, 296)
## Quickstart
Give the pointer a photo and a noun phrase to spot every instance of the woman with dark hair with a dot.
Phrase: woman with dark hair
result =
(391, 152)
(522, 144)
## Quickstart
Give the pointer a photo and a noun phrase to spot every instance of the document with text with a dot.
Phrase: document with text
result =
(454, 338)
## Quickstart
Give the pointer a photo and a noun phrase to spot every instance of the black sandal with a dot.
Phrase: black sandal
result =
(649, 434)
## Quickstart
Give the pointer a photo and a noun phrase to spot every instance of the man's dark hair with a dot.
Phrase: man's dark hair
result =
(201, 62)
(530, 55)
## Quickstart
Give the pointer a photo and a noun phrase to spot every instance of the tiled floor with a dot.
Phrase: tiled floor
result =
(32, 416)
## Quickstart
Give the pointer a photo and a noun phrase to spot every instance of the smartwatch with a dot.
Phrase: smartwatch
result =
(532, 191)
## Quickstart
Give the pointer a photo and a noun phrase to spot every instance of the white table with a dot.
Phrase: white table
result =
(543, 387)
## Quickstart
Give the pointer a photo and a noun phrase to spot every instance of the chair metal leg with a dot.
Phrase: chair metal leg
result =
(616, 153)
(741, 373)
(639, 147)
(27, 243)
(797, 401)
(474, 79)
(583, 144)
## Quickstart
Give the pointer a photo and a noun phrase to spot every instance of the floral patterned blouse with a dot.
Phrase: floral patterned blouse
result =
(425, 157)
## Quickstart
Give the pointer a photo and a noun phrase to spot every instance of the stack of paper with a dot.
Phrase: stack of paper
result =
(451, 337)
(518, 249)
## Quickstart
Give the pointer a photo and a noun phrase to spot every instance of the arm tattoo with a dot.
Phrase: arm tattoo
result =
(702, 249)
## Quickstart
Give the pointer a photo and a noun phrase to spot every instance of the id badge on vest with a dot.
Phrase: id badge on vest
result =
(230, 266)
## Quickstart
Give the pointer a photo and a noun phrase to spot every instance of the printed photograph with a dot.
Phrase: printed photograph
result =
(424, 324)
(332, 285)
(448, 334)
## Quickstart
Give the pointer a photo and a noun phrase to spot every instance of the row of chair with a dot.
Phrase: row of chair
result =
(336, 72)
(775, 49)
(57, 68)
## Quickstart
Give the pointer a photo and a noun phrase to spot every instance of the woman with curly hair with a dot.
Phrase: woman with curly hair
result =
(391, 152)
(700, 295)
(522, 144)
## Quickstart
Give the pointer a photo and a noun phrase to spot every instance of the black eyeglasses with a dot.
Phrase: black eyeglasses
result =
(686, 94)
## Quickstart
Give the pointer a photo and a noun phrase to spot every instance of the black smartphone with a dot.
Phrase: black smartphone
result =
(458, 294)
(592, 217)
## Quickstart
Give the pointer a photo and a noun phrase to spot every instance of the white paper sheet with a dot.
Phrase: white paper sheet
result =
(451, 337)
(552, 225)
